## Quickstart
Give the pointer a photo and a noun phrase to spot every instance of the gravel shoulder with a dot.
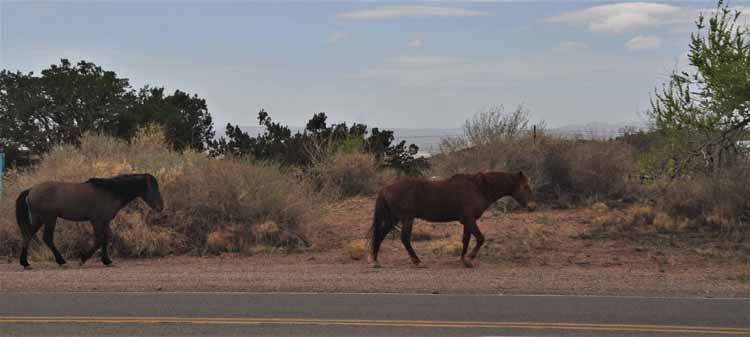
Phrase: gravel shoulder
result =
(315, 273)
(526, 253)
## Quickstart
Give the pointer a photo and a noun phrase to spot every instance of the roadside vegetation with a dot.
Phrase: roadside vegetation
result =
(564, 171)
(228, 205)
(684, 183)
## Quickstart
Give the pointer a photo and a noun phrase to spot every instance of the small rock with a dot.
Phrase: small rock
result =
(600, 207)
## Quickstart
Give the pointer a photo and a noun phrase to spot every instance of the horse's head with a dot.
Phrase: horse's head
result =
(151, 195)
(522, 192)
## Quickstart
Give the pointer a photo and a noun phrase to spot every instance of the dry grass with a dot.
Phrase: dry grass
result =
(600, 207)
(642, 216)
(600, 168)
(720, 202)
(449, 247)
(220, 199)
(424, 232)
(348, 174)
(639, 222)
(357, 249)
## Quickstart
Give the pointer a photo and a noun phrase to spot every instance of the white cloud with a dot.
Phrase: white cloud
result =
(636, 16)
(441, 71)
(621, 17)
(390, 12)
(335, 37)
(642, 42)
(416, 43)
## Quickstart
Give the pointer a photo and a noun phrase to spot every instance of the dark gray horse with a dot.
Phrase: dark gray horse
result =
(96, 200)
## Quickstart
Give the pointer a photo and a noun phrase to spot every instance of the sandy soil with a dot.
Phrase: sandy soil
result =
(526, 253)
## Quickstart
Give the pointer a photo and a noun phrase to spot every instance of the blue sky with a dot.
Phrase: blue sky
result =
(392, 64)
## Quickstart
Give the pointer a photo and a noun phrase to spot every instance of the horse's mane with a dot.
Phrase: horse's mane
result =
(125, 185)
(489, 182)
(463, 176)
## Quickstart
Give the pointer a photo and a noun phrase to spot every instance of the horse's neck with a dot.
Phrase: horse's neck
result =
(492, 194)
(489, 200)
(125, 200)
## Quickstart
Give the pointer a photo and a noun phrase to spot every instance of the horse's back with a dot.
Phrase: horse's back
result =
(432, 200)
(69, 200)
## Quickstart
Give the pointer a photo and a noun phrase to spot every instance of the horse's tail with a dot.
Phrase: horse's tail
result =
(381, 223)
(22, 215)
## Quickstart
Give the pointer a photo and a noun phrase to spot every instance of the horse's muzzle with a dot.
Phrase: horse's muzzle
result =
(531, 206)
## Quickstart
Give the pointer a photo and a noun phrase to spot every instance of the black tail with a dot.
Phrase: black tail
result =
(22, 215)
(381, 223)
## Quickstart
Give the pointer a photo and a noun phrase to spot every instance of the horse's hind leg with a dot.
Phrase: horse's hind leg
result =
(49, 239)
(406, 226)
(36, 223)
(379, 236)
(465, 242)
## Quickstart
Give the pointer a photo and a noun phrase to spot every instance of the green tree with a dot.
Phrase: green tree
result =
(185, 118)
(706, 108)
(279, 144)
(20, 97)
(67, 100)
(60, 105)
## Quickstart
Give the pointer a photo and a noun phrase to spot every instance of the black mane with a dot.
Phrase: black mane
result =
(127, 186)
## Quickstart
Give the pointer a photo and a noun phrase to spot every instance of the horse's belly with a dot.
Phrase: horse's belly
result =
(438, 217)
(74, 217)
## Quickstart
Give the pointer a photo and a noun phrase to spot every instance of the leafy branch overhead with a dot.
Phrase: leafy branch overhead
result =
(708, 105)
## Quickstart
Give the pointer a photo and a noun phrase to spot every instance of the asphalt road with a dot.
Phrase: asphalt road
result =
(237, 314)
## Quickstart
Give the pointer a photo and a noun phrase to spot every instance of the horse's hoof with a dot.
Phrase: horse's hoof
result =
(416, 261)
(376, 265)
(420, 266)
(108, 263)
(467, 264)
(27, 268)
(63, 265)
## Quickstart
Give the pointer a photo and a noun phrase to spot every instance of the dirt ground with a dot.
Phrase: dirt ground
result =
(545, 252)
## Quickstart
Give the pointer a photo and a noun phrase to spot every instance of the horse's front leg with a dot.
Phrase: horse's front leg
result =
(107, 233)
(100, 233)
(471, 228)
(466, 239)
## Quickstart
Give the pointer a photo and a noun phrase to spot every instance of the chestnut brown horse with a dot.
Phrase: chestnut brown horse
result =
(96, 200)
(462, 197)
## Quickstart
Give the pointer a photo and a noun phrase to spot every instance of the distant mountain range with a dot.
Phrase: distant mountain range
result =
(428, 139)
(597, 129)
